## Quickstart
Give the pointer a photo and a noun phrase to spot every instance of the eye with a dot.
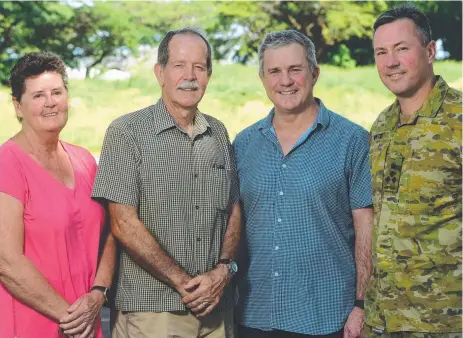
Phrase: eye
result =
(57, 92)
(296, 70)
(402, 48)
(201, 68)
(273, 71)
(178, 65)
(380, 53)
(37, 95)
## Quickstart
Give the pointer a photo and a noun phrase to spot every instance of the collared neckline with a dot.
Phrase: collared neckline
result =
(164, 121)
(323, 117)
(429, 108)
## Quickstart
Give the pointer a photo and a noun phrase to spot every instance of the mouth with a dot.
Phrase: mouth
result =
(50, 114)
(288, 92)
(188, 89)
(395, 75)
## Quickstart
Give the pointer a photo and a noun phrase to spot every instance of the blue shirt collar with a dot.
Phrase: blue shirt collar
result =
(323, 117)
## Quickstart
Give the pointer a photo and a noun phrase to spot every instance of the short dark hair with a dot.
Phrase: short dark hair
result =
(163, 49)
(407, 11)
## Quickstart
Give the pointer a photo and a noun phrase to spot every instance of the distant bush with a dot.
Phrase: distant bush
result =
(341, 57)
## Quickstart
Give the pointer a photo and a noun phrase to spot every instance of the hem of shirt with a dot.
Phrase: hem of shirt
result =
(114, 199)
(362, 205)
(292, 330)
(157, 309)
(417, 330)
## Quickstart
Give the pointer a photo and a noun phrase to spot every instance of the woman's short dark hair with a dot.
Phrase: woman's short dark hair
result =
(31, 65)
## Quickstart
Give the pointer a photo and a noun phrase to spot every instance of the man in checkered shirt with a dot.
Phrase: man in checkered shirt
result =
(306, 196)
(168, 174)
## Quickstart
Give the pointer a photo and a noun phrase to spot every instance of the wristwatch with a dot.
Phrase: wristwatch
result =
(359, 303)
(102, 289)
(230, 263)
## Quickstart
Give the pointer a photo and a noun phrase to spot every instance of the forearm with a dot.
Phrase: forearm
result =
(232, 236)
(145, 249)
(26, 284)
(363, 224)
(106, 265)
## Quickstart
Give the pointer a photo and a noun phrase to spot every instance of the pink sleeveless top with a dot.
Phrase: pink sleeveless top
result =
(61, 233)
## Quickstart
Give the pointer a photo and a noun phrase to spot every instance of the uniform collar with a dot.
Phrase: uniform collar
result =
(429, 108)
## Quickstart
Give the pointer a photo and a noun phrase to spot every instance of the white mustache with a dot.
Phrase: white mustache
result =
(188, 85)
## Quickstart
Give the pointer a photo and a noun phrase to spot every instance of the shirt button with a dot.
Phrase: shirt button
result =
(197, 207)
(279, 220)
(277, 247)
(198, 239)
(283, 165)
(281, 193)
(196, 175)
(276, 274)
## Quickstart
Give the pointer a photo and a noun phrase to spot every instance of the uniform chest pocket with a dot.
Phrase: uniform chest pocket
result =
(434, 185)
(220, 181)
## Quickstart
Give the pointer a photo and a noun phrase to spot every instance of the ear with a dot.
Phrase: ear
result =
(159, 72)
(431, 50)
(17, 107)
(315, 75)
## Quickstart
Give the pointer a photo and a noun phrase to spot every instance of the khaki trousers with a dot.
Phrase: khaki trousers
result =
(173, 325)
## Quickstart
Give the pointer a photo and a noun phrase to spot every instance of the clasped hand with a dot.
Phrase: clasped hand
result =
(80, 321)
(205, 291)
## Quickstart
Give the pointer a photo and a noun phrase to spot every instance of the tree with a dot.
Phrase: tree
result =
(30, 26)
(241, 25)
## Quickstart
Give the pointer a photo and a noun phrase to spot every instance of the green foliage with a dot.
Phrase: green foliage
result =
(90, 32)
(235, 96)
(341, 57)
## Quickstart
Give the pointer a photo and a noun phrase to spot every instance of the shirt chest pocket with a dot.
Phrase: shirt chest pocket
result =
(434, 183)
(219, 187)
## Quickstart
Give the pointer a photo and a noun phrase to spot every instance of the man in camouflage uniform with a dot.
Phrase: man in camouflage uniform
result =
(415, 158)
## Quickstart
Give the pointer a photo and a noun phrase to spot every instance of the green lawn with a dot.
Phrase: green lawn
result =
(235, 96)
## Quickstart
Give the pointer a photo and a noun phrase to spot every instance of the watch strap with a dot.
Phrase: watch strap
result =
(103, 290)
(359, 303)
(224, 261)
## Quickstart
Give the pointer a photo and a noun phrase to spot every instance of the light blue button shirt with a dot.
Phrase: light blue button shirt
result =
(299, 232)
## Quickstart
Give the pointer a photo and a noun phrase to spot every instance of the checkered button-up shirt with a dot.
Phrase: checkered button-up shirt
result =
(299, 229)
(183, 188)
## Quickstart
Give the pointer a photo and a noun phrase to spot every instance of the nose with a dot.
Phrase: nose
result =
(285, 79)
(392, 60)
(189, 73)
(49, 100)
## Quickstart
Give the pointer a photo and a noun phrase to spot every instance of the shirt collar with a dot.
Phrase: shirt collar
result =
(323, 117)
(164, 121)
(429, 108)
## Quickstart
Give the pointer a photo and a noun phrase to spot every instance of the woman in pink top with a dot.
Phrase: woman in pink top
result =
(52, 281)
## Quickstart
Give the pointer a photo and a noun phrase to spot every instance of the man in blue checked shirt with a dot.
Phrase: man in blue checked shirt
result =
(306, 192)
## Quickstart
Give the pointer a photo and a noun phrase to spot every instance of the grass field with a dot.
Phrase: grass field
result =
(235, 96)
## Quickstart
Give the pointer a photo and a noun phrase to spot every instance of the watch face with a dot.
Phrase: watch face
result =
(234, 266)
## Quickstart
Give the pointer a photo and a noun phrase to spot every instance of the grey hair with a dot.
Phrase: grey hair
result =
(276, 40)
(407, 11)
(163, 49)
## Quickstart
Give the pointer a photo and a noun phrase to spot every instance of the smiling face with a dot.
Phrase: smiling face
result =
(184, 78)
(403, 63)
(44, 104)
(288, 79)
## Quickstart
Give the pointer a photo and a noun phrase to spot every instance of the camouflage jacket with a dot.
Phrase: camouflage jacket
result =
(417, 195)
